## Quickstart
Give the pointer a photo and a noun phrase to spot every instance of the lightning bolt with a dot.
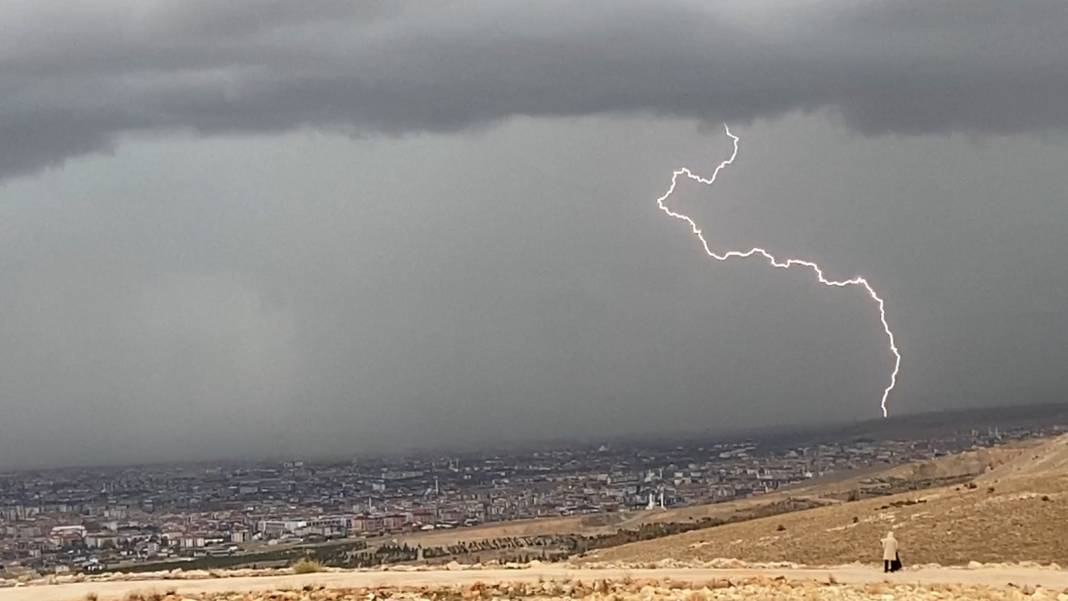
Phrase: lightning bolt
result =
(775, 262)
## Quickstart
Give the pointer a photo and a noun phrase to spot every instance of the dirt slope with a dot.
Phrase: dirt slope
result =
(1016, 511)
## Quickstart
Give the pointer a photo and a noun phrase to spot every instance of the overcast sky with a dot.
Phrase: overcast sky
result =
(276, 228)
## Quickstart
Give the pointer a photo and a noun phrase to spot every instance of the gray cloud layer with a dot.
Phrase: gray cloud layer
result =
(375, 249)
(292, 294)
(73, 76)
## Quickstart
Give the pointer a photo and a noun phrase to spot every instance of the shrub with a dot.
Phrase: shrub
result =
(307, 566)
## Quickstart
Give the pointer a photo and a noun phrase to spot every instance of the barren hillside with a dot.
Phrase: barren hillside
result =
(830, 489)
(1015, 511)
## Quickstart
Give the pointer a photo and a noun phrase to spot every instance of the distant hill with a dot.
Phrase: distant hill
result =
(914, 426)
(926, 425)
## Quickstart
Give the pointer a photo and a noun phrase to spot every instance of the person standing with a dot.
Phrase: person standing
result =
(889, 551)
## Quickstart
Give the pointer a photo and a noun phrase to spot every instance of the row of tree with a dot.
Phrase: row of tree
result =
(552, 547)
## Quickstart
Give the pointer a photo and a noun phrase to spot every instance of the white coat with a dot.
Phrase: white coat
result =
(889, 547)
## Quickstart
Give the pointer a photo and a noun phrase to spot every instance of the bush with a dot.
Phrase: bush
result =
(307, 566)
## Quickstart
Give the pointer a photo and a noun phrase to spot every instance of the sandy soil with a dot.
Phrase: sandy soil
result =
(1055, 580)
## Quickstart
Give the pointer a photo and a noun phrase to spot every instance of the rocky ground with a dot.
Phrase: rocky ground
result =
(558, 582)
(637, 590)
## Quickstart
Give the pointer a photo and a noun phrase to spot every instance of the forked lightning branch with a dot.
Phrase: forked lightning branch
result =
(775, 262)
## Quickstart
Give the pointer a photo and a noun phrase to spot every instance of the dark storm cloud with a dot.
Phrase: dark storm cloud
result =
(192, 298)
(76, 75)
(337, 227)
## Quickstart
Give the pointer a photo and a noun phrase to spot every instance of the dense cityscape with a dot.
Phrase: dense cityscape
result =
(93, 519)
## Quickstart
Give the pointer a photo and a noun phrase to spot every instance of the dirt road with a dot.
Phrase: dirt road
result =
(1052, 579)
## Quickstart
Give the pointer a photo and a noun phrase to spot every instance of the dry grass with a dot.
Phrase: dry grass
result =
(307, 566)
(1016, 513)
